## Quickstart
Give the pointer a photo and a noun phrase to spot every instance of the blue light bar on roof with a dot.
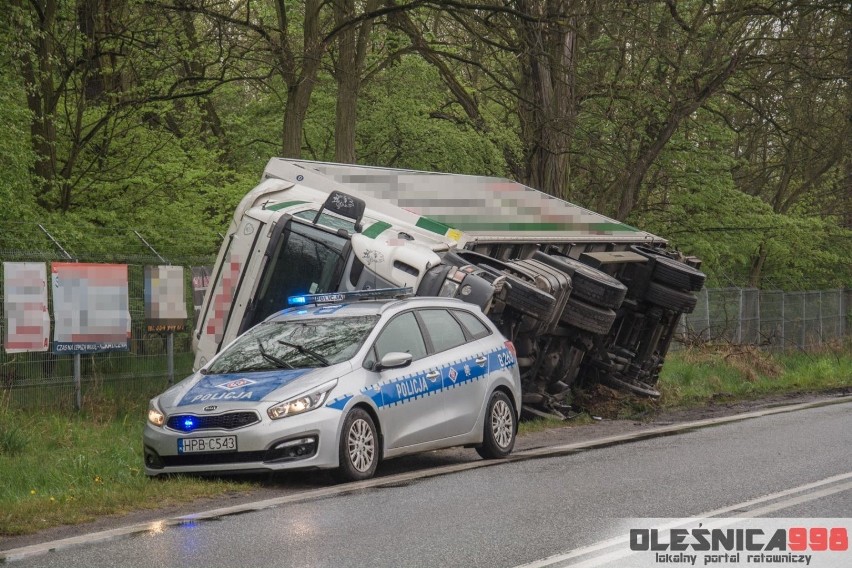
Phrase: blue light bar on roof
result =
(334, 297)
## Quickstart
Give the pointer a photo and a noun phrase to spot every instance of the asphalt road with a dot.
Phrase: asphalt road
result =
(797, 464)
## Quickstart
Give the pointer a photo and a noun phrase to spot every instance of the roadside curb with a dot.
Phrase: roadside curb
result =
(534, 453)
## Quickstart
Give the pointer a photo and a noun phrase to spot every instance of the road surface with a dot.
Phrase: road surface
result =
(537, 512)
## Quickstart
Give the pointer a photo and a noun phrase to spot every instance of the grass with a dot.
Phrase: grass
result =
(698, 376)
(62, 467)
(66, 469)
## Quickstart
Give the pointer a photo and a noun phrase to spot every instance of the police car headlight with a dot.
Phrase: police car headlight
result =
(155, 417)
(310, 400)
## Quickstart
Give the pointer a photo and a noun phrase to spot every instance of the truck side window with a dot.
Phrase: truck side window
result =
(444, 331)
(401, 334)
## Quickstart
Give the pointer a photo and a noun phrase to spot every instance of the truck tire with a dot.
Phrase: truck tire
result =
(590, 284)
(587, 317)
(527, 299)
(671, 272)
(669, 298)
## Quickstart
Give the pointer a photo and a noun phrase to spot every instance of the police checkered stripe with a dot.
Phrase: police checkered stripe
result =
(376, 392)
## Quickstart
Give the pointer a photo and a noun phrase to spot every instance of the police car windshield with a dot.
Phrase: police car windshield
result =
(332, 339)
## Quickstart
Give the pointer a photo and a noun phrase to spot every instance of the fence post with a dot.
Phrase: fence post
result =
(740, 320)
(170, 355)
(821, 337)
(78, 387)
(803, 344)
(783, 321)
(707, 304)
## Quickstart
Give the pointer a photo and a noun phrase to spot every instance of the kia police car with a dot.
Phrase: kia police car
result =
(342, 385)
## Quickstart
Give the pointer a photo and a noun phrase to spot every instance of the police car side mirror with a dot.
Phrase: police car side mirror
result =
(393, 360)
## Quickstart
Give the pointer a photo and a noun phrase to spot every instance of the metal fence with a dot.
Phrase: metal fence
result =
(46, 380)
(772, 319)
(769, 318)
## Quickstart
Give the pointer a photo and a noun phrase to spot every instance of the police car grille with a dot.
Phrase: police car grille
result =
(212, 459)
(230, 421)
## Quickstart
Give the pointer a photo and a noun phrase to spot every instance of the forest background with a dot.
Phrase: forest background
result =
(723, 126)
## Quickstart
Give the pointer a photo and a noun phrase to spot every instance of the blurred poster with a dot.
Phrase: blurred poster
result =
(90, 307)
(165, 303)
(200, 282)
(25, 306)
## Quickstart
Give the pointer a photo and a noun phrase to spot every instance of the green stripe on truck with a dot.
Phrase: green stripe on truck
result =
(434, 226)
(376, 229)
(284, 205)
(471, 226)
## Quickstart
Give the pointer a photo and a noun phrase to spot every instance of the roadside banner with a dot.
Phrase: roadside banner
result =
(25, 307)
(200, 282)
(90, 307)
(165, 302)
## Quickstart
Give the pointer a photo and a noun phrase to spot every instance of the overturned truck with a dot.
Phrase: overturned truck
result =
(584, 298)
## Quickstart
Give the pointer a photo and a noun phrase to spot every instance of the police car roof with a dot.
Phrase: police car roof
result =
(360, 308)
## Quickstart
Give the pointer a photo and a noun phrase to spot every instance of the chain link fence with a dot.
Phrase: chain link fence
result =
(46, 380)
(768, 318)
(772, 319)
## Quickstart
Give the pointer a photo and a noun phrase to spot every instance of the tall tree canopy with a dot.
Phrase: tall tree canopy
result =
(723, 125)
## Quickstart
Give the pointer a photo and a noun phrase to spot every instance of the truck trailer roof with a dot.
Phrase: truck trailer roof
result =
(486, 209)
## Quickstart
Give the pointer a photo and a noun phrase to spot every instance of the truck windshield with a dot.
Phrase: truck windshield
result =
(306, 260)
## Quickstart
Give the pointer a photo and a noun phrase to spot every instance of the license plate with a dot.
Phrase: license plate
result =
(207, 445)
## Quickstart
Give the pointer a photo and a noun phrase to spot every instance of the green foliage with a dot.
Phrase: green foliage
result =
(165, 135)
(405, 125)
(16, 156)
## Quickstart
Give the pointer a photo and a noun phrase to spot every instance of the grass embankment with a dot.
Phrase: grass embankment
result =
(64, 468)
(698, 376)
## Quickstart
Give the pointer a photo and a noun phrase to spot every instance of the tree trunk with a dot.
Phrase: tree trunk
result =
(547, 102)
(352, 52)
(300, 81)
(41, 99)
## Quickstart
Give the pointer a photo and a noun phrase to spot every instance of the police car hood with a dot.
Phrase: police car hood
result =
(239, 390)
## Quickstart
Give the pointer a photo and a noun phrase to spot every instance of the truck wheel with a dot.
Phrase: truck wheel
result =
(665, 297)
(590, 284)
(528, 299)
(587, 317)
(671, 272)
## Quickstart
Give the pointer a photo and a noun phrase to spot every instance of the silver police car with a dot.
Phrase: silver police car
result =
(342, 385)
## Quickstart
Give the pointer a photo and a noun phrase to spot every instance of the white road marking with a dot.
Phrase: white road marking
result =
(741, 509)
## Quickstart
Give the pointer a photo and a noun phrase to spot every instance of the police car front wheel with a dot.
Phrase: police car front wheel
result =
(500, 428)
(359, 447)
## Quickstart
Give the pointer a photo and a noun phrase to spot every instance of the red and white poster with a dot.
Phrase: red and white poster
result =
(25, 307)
(90, 307)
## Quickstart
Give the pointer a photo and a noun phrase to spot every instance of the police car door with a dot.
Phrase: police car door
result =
(464, 364)
(410, 412)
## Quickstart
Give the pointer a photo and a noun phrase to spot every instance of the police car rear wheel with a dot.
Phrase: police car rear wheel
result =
(500, 428)
(358, 447)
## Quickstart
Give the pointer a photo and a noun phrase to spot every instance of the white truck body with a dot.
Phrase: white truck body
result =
(411, 219)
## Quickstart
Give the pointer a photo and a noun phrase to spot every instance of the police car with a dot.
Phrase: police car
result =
(342, 381)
